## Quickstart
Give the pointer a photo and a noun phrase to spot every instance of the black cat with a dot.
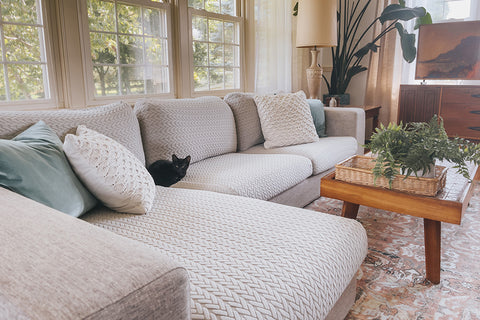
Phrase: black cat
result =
(165, 172)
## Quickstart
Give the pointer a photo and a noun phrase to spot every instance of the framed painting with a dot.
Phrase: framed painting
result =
(449, 51)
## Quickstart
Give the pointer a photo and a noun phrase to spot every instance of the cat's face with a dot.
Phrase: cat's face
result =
(180, 164)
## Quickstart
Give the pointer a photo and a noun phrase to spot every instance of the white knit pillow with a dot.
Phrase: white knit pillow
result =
(286, 119)
(110, 171)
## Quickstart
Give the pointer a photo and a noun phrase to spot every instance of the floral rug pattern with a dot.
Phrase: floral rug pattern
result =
(391, 283)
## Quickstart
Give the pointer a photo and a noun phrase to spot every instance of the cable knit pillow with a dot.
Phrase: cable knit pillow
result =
(286, 119)
(110, 171)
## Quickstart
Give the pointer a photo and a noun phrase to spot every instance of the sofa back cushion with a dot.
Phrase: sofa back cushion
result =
(202, 128)
(249, 131)
(116, 121)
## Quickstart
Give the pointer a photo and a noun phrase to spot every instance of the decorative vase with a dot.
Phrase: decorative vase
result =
(342, 99)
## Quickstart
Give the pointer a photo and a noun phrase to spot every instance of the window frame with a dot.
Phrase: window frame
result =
(225, 17)
(90, 98)
(51, 86)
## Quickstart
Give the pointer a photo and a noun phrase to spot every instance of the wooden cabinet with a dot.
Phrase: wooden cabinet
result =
(459, 106)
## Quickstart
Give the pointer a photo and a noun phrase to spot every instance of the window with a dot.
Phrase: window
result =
(24, 77)
(129, 46)
(216, 45)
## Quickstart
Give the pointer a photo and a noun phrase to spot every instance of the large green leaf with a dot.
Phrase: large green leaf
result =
(365, 49)
(426, 19)
(396, 11)
(407, 40)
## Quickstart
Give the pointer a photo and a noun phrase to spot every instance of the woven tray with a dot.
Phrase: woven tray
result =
(358, 170)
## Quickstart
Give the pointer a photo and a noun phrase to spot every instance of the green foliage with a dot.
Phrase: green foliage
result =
(347, 56)
(407, 150)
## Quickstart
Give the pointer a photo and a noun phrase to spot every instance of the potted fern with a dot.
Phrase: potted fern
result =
(348, 55)
(414, 149)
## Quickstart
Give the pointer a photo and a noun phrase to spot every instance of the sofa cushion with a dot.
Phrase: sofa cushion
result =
(202, 127)
(33, 164)
(249, 131)
(318, 115)
(116, 121)
(247, 258)
(324, 154)
(253, 176)
(54, 266)
(110, 171)
(286, 119)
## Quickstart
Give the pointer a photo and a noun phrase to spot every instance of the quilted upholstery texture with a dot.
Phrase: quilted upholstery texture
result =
(246, 258)
(249, 130)
(286, 119)
(324, 154)
(110, 171)
(116, 121)
(201, 127)
(253, 176)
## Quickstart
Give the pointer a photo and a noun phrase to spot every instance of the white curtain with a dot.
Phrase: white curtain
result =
(273, 46)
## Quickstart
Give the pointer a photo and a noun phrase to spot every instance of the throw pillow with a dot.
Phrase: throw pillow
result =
(33, 164)
(286, 119)
(110, 171)
(249, 131)
(318, 115)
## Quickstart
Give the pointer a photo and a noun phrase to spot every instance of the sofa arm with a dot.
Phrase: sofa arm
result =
(53, 266)
(346, 122)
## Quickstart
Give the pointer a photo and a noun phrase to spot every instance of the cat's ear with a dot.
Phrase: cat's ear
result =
(187, 159)
(174, 158)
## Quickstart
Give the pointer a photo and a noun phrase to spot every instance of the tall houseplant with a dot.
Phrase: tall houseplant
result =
(348, 55)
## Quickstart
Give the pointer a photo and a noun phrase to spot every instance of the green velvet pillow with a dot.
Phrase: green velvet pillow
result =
(318, 114)
(33, 164)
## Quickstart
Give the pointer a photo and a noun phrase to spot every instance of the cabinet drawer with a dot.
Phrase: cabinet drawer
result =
(468, 95)
(461, 119)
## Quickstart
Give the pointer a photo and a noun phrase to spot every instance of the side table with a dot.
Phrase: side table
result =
(370, 112)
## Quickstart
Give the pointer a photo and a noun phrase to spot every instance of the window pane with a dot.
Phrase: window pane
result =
(129, 19)
(131, 49)
(229, 32)
(228, 7)
(236, 54)
(216, 54)
(200, 79)
(3, 93)
(200, 54)
(215, 30)
(19, 11)
(155, 51)
(229, 79)
(101, 15)
(26, 82)
(106, 80)
(157, 80)
(132, 80)
(216, 78)
(103, 47)
(229, 56)
(199, 28)
(197, 4)
(22, 43)
(155, 23)
(212, 6)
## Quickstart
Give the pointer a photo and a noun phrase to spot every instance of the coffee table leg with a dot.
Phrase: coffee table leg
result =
(432, 230)
(350, 210)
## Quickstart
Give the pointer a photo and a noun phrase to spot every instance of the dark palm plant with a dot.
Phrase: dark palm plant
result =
(348, 55)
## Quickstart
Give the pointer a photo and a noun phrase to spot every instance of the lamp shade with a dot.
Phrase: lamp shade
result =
(317, 23)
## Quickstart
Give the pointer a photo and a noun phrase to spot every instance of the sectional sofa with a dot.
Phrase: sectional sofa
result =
(211, 247)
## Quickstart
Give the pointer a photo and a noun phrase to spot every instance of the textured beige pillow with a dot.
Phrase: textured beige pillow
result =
(110, 171)
(286, 119)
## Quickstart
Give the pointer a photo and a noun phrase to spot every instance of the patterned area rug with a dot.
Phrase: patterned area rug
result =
(391, 283)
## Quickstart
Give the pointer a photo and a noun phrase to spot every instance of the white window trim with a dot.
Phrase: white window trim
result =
(91, 99)
(51, 84)
(218, 16)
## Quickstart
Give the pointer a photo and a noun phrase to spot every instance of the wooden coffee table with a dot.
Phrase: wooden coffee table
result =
(448, 206)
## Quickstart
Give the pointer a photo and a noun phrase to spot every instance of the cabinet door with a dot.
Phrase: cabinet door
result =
(418, 103)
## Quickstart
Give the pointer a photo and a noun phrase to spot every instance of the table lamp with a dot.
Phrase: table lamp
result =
(316, 27)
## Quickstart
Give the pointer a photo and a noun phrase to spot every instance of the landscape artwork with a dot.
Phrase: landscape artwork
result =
(449, 51)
